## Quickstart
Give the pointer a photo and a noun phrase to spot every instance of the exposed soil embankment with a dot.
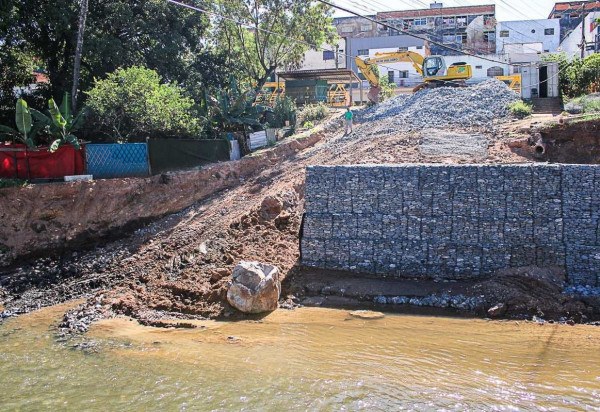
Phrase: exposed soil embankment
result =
(45, 217)
(179, 265)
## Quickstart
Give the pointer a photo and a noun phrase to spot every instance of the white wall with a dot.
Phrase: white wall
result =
(525, 32)
(571, 42)
(480, 66)
(313, 59)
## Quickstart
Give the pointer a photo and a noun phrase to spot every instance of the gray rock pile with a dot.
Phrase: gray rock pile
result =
(468, 107)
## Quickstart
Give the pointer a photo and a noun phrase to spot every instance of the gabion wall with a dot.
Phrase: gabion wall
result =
(453, 222)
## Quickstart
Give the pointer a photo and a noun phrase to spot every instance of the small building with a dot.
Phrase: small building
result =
(331, 86)
(468, 27)
(355, 26)
(528, 36)
(590, 30)
(330, 56)
(571, 13)
(539, 80)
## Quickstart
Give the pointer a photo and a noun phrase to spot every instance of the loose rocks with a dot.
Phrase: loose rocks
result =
(474, 106)
(255, 287)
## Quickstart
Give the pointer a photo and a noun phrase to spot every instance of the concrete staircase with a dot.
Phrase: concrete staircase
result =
(550, 105)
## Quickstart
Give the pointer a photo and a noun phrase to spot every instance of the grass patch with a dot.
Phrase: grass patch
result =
(584, 104)
(12, 183)
(520, 109)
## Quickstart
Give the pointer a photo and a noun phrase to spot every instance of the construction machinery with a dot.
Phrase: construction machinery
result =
(433, 69)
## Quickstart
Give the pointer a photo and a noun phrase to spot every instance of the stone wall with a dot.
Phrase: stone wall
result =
(453, 222)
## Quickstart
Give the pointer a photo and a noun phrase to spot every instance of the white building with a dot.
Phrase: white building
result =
(528, 36)
(333, 57)
(571, 44)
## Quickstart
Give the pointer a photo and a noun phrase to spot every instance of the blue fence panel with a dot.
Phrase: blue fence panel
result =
(117, 160)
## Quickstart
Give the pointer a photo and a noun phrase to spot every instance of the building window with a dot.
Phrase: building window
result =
(328, 55)
(533, 31)
(420, 22)
(462, 38)
(448, 21)
(461, 21)
(346, 29)
(391, 76)
(504, 33)
(403, 74)
(549, 32)
(479, 67)
(489, 36)
(365, 27)
(495, 71)
(449, 39)
(419, 47)
(363, 52)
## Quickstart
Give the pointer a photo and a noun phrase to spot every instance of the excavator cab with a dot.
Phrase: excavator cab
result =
(434, 66)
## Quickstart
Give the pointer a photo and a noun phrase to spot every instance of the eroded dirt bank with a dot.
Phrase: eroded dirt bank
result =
(58, 217)
(179, 265)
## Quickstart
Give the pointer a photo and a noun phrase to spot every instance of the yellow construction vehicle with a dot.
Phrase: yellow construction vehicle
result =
(433, 69)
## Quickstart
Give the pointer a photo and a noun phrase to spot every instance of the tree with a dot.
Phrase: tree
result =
(270, 34)
(118, 33)
(78, 50)
(134, 103)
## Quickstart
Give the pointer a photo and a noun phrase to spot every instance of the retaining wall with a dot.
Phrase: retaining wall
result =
(453, 222)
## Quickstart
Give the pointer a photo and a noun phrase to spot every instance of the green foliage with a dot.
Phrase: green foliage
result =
(520, 109)
(134, 103)
(313, 112)
(577, 76)
(584, 104)
(232, 110)
(292, 26)
(284, 110)
(119, 33)
(308, 124)
(16, 70)
(12, 183)
(387, 89)
(25, 131)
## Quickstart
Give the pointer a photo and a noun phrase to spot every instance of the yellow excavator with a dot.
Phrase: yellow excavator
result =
(433, 69)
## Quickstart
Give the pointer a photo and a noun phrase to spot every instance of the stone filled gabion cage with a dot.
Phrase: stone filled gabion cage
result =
(453, 221)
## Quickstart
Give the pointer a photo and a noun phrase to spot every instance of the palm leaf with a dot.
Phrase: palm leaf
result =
(65, 108)
(57, 118)
(23, 117)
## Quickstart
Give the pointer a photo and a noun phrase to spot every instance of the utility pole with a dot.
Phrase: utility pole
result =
(583, 42)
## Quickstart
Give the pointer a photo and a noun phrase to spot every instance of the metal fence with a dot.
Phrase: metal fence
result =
(105, 161)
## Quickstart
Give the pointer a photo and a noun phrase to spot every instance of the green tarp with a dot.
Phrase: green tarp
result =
(176, 154)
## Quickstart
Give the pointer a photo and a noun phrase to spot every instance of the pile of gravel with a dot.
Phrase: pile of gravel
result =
(467, 107)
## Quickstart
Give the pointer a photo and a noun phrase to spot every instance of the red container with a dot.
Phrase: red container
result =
(19, 162)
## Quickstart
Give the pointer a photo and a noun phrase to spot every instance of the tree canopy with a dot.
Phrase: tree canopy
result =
(266, 35)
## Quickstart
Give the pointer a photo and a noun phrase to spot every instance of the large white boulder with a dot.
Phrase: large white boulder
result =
(255, 287)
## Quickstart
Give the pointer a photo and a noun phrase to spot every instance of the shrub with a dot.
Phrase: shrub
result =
(520, 109)
(314, 112)
(584, 104)
(284, 110)
(308, 124)
(132, 104)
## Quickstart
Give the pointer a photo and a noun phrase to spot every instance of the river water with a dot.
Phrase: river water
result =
(306, 359)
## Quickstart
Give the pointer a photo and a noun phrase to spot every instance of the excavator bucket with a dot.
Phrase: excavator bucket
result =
(373, 94)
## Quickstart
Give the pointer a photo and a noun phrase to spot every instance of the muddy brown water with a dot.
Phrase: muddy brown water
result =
(306, 359)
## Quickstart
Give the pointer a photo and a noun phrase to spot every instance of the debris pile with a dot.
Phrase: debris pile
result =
(468, 107)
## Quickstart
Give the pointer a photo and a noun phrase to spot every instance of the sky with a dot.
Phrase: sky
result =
(506, 10)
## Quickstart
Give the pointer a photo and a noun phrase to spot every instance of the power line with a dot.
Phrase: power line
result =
(315, 47)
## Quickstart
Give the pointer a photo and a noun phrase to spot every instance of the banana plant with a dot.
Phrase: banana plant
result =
(232, 109)
(26, 130)
(61, 124)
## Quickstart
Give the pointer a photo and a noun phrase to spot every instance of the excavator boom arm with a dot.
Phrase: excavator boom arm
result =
(366, 65)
